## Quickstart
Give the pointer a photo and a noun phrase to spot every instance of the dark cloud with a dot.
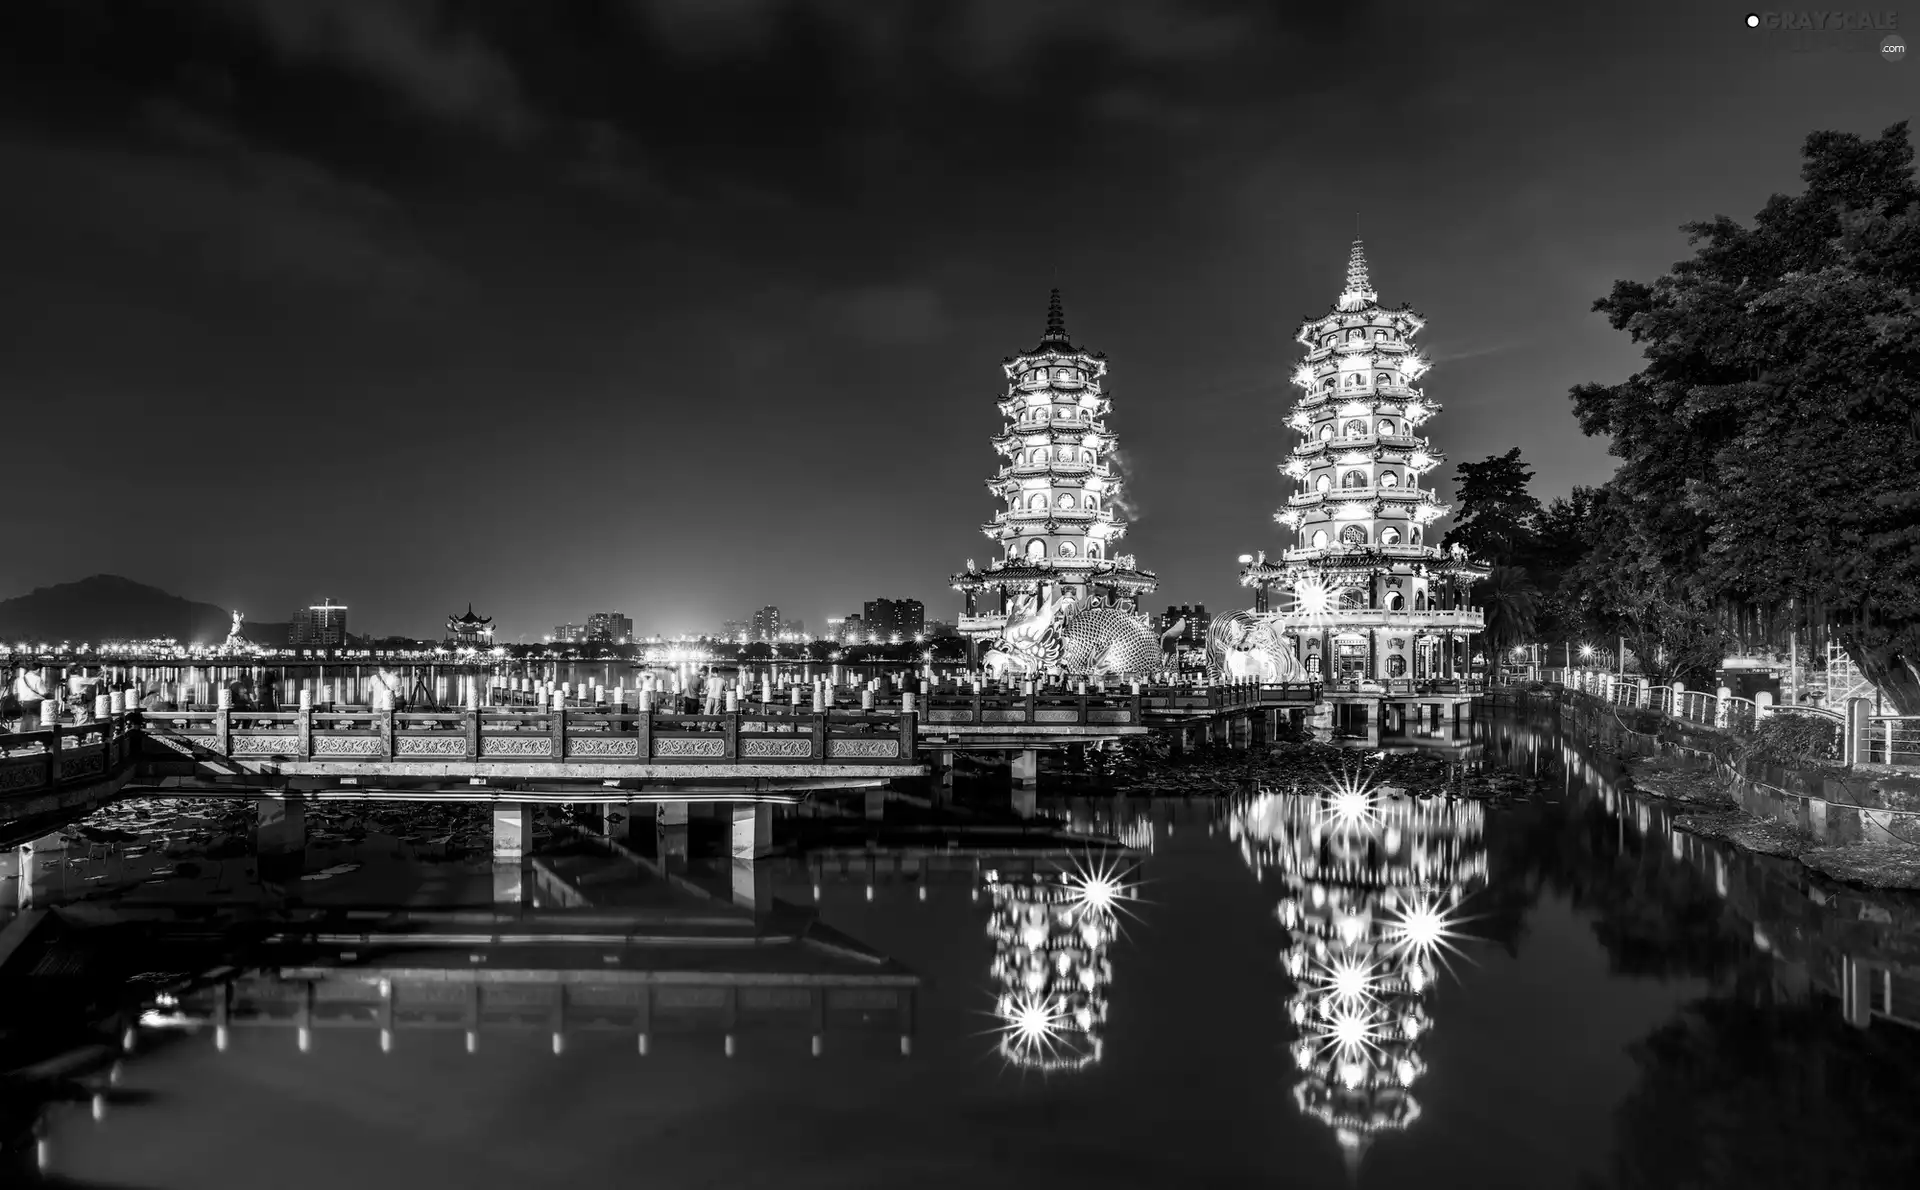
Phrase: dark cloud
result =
(415, 47)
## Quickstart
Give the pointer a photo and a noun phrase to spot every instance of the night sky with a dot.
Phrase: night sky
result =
(685, 306)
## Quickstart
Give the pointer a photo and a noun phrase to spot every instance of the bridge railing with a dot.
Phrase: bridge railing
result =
(1859, 736)
(1050, 709)
(551, 736)
(65, 755)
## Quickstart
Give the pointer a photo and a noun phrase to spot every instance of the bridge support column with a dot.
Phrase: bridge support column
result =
(942, 775)
(512, 832)
(1026, 783)
(616, 819)
(280, 826)
(670, 830)
(510, 883)
(876, 804)
(752, 831)
(1856, 992)
(752, 886)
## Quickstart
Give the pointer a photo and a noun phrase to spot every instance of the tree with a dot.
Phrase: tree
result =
(1768, 444)
(1511, 602)
(1495, 515)
(1621, 589)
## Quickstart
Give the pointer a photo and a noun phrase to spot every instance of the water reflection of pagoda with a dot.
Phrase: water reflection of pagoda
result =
(1372, 886)
(1050, 933)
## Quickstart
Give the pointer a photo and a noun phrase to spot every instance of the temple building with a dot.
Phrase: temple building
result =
(1367, 596)
(470, 631)
(1371, 894)
(1056, 534)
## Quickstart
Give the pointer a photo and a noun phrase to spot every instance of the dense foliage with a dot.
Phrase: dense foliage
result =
(1768, 446)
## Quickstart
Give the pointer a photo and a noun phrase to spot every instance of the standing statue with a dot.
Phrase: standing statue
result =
(1063, 637)
(234, 639)
(1248, 644)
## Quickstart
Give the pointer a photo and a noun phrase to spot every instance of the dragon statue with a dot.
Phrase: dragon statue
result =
(1248, 644)
(1064, 637)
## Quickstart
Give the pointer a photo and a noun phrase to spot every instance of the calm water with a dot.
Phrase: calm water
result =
(1627, 1007)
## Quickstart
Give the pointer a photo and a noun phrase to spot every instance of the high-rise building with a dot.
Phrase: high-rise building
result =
(1194, 615)
(1365, 597)
(609, 626)
(887, 618)
(853, 629)
(938, 628)
(766, 624)
(1055, 536)
(736, 630)
(569, 633)
(794, 627)
(320, 627)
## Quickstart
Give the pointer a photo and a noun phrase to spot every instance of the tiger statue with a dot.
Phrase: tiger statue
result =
(1248, 644)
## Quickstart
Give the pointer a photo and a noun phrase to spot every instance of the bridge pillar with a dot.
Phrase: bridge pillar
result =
(280, 826)
(876, 804)
(752, 830)
(943, 775)
(512, 832)
(1856, 992)
(1026, 769)
(510, 884)
(752, 886)
(617, 821)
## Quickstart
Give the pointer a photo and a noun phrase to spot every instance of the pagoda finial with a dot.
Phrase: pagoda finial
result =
(1056, 321)
(1359, 290)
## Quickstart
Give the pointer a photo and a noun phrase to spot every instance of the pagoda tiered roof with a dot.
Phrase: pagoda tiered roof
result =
(1026, 576)
(470, 620)
(1055, 341)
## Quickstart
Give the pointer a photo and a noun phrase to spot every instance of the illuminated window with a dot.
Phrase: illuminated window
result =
(1413, 536)
(1320, 537)
(1356, 429)
(1328, 341)
(1419, 601)
(1389, 536)
(1322, 484)
(1379, 335)
(1066, 549)
(1396, 666)
(1037, 501)
(1395, 602)
(1036, 550)
(1352, 599)
(1382, 378)
(1354, 336)
(1354, 479)
(1328, 384)
(1386, 428)
(1388, 479)
(1326, 433)
(1093, 549)
(1353, 535)
(1064, 374)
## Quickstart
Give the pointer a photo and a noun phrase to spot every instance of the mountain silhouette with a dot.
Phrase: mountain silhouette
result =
(107, 607)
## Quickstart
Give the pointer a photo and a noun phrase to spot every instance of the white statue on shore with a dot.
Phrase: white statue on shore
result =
(234, 639)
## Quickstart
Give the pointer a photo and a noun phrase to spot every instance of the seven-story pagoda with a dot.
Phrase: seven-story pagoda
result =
(1060, 523)
(1372, 598)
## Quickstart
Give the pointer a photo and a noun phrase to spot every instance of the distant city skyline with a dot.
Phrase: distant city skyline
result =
(417, 306)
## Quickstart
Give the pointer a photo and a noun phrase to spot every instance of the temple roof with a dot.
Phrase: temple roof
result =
(1359, 291)
(470, 618)
(1056, 340)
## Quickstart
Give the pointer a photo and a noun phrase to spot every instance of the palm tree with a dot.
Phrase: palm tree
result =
(1511, 603)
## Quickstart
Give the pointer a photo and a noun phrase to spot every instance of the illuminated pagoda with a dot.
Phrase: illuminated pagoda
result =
(1371, 892)
(1367, 595)
(1051, 970)
(470, 631)
(1061, 521)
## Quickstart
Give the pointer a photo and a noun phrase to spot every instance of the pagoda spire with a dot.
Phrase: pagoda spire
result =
(1359, 291)
(1056, 321)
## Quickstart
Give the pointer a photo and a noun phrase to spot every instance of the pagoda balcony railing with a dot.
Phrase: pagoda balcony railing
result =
(544, 736)
(1040, 516)
(1342, 619)
(972, 624)
(1413, 553)
(1364, 442)
(1411, 495)
(1100, 470)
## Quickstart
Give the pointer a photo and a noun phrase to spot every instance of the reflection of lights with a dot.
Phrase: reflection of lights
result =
(1051, 932)
(1373, 882)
